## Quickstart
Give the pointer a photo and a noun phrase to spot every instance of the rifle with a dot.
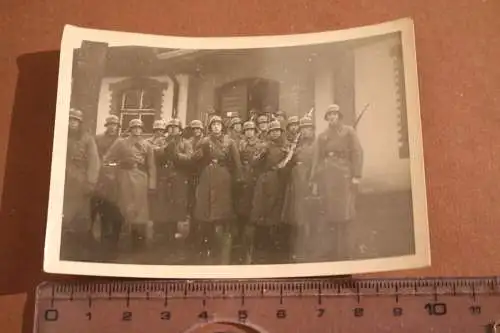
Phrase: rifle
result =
(361, 115)
(295, 143)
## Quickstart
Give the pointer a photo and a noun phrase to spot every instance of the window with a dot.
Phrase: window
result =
(138, 97)
(138, 103)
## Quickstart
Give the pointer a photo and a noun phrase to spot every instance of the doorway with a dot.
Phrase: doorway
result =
(239, 97)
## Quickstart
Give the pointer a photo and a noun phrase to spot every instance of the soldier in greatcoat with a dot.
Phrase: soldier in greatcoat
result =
(301, 204)
(250, 147)
(235, 130)
(262, 126)
(267, 204)
(157, 142)
(173, 183)
(220, 164)
(197, 134)
(82, 172)
(159, 136)
(136, 176)
(292, 128)
(105, 200)
(337, 169)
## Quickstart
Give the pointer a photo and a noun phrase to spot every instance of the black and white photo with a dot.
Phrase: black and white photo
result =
(237, 157)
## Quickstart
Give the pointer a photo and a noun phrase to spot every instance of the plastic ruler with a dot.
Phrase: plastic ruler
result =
(303, 305)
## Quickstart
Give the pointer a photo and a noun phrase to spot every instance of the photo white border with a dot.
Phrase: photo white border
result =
(72, 38)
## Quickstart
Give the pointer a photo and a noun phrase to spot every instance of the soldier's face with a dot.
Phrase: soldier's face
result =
(307, 132)
(112, 128)
(294, 128)
(175, 130)
(249, 133)
(136, 130)
(275, 134)
(159, 132)
(263, 126)
(216, 127)
(333, 118)
(197, 132)
(237, 128)
(74, 124)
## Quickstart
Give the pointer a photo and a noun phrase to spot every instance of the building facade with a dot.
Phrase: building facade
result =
(191, 84)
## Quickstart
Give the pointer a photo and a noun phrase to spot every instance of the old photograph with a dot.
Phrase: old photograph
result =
(237, 157)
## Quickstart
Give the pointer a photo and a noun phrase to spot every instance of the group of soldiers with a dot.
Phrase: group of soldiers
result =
(262, 191)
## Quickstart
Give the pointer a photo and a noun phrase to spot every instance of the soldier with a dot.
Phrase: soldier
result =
(194, 232)
(235, 127)
(336, 168)
(250, 147)
(268, 197)
(158, 139)
(136, 176)
(105, 200)
(173, 184)
(299, 208)
(262, 125)
(292, 128)
(82, 172)
(281, 117)
(219, 159)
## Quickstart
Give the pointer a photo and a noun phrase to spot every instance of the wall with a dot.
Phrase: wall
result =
(166, 111)
(296, 96)
(375, 83)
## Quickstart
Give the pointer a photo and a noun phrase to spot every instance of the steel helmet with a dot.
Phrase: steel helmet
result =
(196, 124)
(249, 125)
(112, 119)
(292, 120)
(234, 121)
(159, 124)
(333, 108)
(135, 123)
(76, 114)
(215, 119)
(274, 125)
(174, 122)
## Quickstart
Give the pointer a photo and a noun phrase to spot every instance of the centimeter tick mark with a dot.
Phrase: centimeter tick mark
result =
(90, 301)
(52, 297)
(128, 297)
(223, 292)
(319, 295)
(204, 300)
(281, 294)
(147, 295)
(243, 295)
(435, 293)
(454, 290)
(358, 296)
(473, 292)
(396, 293)
(165, 299)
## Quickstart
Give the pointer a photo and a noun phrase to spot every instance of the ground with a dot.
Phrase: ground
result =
(383, 228)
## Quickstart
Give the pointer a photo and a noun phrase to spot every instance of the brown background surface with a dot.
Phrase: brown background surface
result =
(458, 46)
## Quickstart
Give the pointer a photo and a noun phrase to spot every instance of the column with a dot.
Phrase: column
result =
(88, 72)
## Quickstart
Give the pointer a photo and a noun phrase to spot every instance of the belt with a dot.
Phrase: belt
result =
(168, 165)
(130, 166)
(337, 154)
(217, 162)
